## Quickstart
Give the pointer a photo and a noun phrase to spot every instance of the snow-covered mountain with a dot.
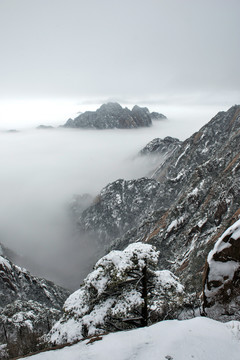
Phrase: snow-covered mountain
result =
(28, 304)
(181, 210)
(123, 203)
(195, 199)
(162, 147)
(118, 207)
(18, 284)
(112, 115)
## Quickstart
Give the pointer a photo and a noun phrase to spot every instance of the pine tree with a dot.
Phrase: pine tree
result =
(125, 290)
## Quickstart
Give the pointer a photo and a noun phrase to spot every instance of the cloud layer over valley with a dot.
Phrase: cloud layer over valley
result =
(43, 169)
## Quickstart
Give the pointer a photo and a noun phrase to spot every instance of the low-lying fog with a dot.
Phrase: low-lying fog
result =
(42, 169)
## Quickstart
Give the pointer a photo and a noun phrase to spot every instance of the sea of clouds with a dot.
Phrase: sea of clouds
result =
(42, 169)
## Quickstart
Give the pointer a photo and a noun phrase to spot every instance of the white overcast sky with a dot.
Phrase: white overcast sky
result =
(124, 49)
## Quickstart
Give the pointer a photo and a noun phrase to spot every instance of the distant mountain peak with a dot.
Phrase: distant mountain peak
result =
(112, 115)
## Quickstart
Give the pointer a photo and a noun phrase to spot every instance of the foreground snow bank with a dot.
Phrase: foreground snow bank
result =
(195, 339)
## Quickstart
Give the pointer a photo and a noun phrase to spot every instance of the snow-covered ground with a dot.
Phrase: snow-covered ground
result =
(195, 339)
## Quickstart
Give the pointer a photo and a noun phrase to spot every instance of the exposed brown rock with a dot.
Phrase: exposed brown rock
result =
(197, 137)
(234, 160)
(221, 209)
(237, 112)
(221, 293)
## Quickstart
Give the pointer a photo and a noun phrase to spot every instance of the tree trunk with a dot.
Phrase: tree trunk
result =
(144, 320)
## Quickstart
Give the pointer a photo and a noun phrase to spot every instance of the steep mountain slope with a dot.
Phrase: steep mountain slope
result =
(123, 203)
(28, 304)
(158, 150)
(112, 115)
(162, 147)
(118, 207)
(18, 284)
(197, 197)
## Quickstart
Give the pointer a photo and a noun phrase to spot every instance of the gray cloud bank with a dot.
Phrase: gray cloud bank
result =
(40, 172)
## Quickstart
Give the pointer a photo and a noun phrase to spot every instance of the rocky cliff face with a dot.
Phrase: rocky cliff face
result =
(112, 115)
(118, 207)
(18, 284)
(122, 204)
(158, 150)
(28, 304)
(161, 147)
(157, 116)
(22, 322)
(196, 198)
(221, 296)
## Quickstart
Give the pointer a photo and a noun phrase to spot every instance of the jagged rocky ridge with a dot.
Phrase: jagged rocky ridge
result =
(112, 115)
(118, 207)
(28, 304)
(123, 203)
(18, 284)
(157, 116)
(196, 199)
(161, 147)
(158, 150)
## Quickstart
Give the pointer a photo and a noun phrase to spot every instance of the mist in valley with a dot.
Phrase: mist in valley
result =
(43, 169)
(61, 57)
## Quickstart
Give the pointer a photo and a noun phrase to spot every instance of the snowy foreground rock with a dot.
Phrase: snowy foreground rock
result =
(222, 279)
(195, 339)
(124, 291)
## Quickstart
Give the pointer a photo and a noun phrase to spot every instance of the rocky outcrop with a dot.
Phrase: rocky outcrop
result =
(112, 115)
(161, 147)
(28, 305)
(118, 207)
(18, 284)
(197, 198)
(157, 116)
(221, 293)
(21, 320)
(121, 204)
(158, 150)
